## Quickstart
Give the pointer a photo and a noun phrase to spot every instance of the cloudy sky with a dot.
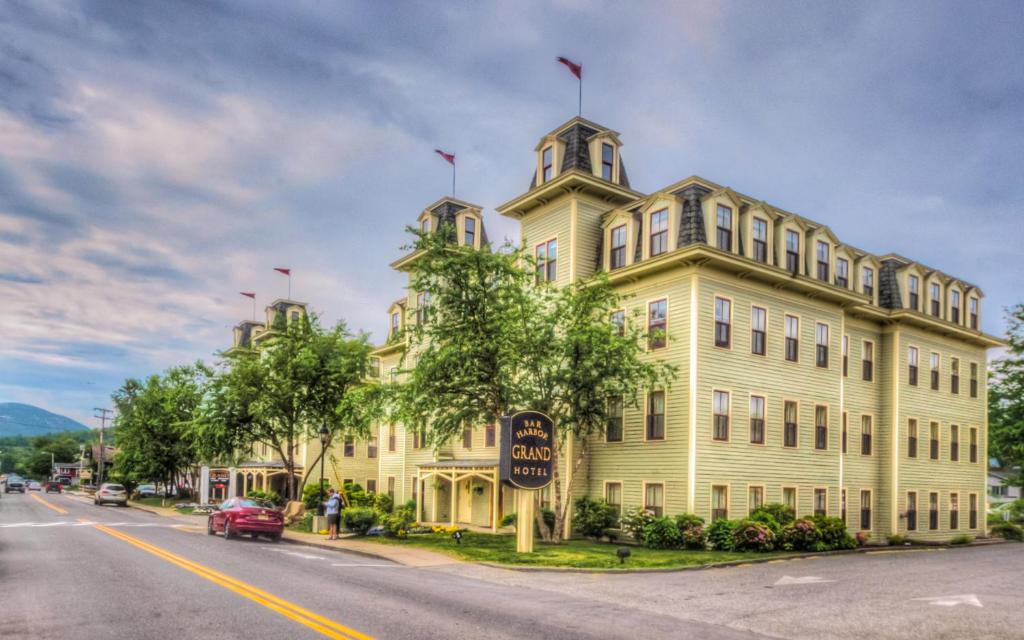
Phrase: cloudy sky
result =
(156, 158)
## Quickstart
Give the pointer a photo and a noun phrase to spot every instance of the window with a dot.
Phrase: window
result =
(467, 438)
(719, 502)
(868, 362)
(936, 302)
(933, 444)
(490, 435)
(843, 434)
(865, 435)
(469, 232)
(618, 254)
(912, 438)
(973, 445)
(757, 419)
(843, 272)
(613, 496)
(912, 511)
(654, 498)
(414, 483)
(656, 316)
(720, 429)
(371, 485)
(659, 232)
(820, 427)
(607, 160)
(425, 225)
(823, 261)
(618, 319)
(656, 415)
(391, 438)
(789, 431)
(350, 447)
(973, 513)
(758, 330)
(789, 498)
(760, 228)
(393, 374)
(371, 447)
(820, 502)
(723, 234)
(868, 282)
(417, 437)
(954, 375)
(391, 486)
(933, 511)
(546, 254)
(954, 511)
(846, 356)
(613, 431)
(912, 358)
(954, 443)
(935, 371)
(792, 338)
(865, 510)
(755, 499)
(973, 307)
(546, 168)
(913, 283)
(954, 307)
(821, 346)
(842, 505)
(974, 379)
(792, 251)
(723, 322)
(422, 308)
(394, 324)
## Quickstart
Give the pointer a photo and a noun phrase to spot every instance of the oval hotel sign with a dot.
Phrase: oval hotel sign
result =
(527, 450)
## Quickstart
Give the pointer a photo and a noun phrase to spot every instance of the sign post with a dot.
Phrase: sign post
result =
(527, 464)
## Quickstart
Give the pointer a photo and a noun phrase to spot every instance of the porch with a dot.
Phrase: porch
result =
(461, 492)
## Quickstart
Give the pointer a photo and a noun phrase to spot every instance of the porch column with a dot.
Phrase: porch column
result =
(451, 512)
(495, 492)
(232, 478)
(204, 484)
(433, 498)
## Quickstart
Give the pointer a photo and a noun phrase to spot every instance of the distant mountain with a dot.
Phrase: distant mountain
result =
(18, 419)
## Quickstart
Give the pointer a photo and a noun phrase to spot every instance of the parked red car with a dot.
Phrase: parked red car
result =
(236, 516)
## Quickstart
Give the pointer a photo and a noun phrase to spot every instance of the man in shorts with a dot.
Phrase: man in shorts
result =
(332, 509)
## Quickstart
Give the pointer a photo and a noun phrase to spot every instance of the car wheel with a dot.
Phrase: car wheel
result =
(209, 527)
(228, 533)
(275, 537)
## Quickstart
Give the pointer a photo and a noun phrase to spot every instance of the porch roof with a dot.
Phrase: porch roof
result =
(459, 464)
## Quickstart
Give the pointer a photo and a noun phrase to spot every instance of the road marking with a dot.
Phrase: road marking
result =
(47, 504)
(389, 566)
(788, 580)
(287, 609)
(65, 523)
(952, 601)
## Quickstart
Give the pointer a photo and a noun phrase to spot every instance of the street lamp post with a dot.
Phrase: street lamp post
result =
(51, 463)
(325, 435)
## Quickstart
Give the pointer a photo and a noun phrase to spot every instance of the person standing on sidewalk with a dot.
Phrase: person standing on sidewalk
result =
(332, 509)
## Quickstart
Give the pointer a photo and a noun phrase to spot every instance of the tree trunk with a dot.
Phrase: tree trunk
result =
(563, 507)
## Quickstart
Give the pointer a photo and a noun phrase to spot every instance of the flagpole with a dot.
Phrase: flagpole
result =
(579, 112)
(453, 179)
(289, 285)
(254, 309)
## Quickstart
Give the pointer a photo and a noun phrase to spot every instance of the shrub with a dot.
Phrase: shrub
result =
(833, 533)
(691, 528)
(767, 520)
(357, 497)
(962, 539)
(509, 520)
(896, 540)
(720, 534)
(270, 496)
(358, 519)
(634, 521)
(592, 517)
(382, 503)
(1016, 510)
(1008, 530)
(662, 533)
(801, 535)
(398, 522)
(783, 514)
(749, 535)
(549, 519)
(311, 494)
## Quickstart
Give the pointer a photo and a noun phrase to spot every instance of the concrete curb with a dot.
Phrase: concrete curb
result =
(359, 552)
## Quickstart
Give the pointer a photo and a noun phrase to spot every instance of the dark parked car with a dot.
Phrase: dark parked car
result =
(246, 515)
(53, 487)
(14, 484)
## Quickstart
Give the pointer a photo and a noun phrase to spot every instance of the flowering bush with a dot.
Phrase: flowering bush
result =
(662, 533)
(691, 528)
(752, 536)
(767, 520)
(833, 533)
(446, 530)
(719, 534)
(634, 522)
(801, 535)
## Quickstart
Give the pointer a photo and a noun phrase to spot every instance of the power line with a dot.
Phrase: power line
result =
(103, 415)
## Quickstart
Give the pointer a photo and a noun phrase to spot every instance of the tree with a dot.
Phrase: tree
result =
(154, 422)
(1006, 399)
(282, 390)
(496, 342)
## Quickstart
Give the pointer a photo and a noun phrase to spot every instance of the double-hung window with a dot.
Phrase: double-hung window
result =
(974, 445)
(659, 232)
(371, 447)
(954, 511)
(842, 436)
(617, 259)
(656, 321)
(866, 429)
(936, 300)
(974, 379)
(618, 320)
(613, 431)
(756, 420)
(935, 362)
(547, 261)
(425, 225)
(607, 160)
(613, 496)
(973, 514)
(792, 251)
(790, 428)
(490, 435)
(867, 282)
(821, 427)
(912, 438)
(656, 415)
(954, 307)
(546, 164)
(913, 285)
(723, 322)
(911, 511)
(933, 441)
(865, 510)
(723, 228)
(792, 338)
(954, 375)
(469, 232)
(821, 346)
(823, 261)
(760, 229)
(467, 437)
(719, 502)
(820, 502)
(394, 324)
(417, 437)
(868, 362)
(422, 308)
(972, 304)
(758, 330)
(933, 511)
(912, 360)
(350, 447)
(755, 499)
(654, 499)
(846, 356)
(391, 438)
(721, 416)
(843, 273)
(954, 443)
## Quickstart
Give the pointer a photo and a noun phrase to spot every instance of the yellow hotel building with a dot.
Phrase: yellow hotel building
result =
(810, 372)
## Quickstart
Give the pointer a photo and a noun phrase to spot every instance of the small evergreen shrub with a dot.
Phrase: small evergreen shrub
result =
(1008, 530)
(357, 497)
(767, 520)
(358, 519)
(962, 539)
(691, 528)
(593, 517)
(383, 503)
(833, 533)
(634, 521)
(662, 533)
(782, 513)
(720, 534)
(896, 540)
(398, 522)
(749, 535)
(801, 535)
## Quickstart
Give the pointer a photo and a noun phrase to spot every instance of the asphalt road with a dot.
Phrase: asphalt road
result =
(105, 572)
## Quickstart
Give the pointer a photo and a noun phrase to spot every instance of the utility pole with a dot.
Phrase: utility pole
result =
(103, 415)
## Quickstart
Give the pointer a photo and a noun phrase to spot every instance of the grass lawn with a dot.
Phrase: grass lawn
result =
(155, 501)
(485, 547)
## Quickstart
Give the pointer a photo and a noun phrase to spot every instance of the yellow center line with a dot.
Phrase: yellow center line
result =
(47, 504)
(287, 609)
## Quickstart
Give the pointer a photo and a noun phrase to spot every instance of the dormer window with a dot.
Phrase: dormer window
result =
(913, 285)
(792, 251)
(659, 232)
(295, 316)
(936, 304)
(394, 324)
(469, 232)
(617, 259)
(867, 283)
(843, 273)
(823, 261)
(546, 168)
(422, 308)
(425, 225)
(973, 302)
(760, 228)
(723, 235)
(954, 307)
(607, 161)
(546, 254)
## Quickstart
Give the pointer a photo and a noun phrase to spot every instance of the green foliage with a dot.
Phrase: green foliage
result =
(800, 535)
(398, 522)
(833, 532)
(692, 531)
(896, 540)
(593, 517)
(382, 502)
(767, 520)
(781, 513)
(357, 497)
(270, 496)
(634, 521)
(1006, 399)
(662, 533)
(510, 520)
(962, 539)
(1016, 510)
(358, 519)
(749, 535)
(311, 495)
(720, 534)
(1008, 530)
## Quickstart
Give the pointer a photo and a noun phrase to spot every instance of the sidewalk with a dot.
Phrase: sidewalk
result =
(408, 556)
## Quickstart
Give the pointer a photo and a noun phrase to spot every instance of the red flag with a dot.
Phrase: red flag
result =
(286, 272)
(248, 294)
(450, 157)
(576, 69)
